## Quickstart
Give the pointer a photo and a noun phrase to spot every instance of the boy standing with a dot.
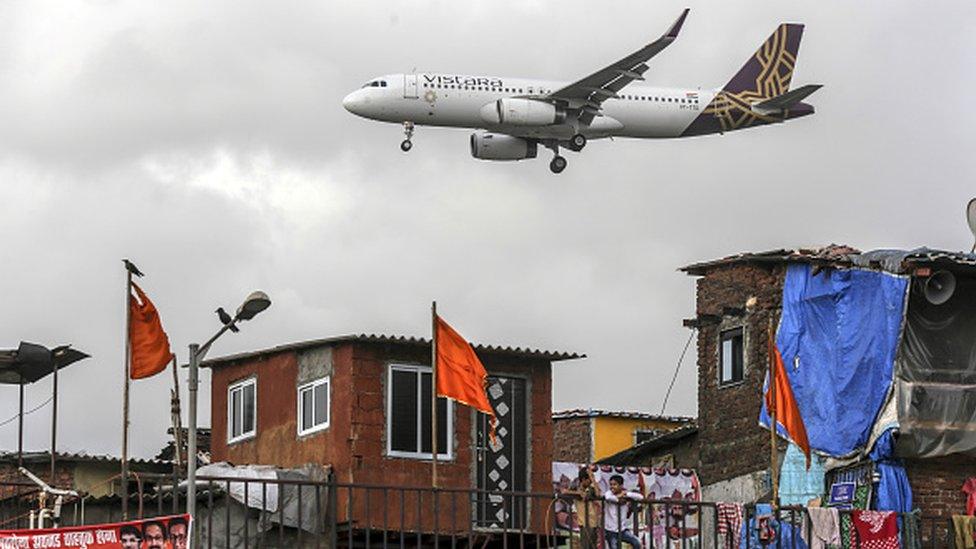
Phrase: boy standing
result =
(617, 522)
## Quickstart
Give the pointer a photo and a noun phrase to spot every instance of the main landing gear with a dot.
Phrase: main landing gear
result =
(577, 142)
(406, 144)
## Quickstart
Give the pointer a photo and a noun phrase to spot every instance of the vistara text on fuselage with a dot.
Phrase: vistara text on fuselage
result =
(514, 116)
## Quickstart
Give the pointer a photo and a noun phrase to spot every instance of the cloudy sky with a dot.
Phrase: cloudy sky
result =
(207, 142)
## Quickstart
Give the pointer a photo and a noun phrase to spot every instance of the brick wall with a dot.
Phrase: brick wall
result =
(937, 482)
(572, 440)
(63, 475)
(731, 442)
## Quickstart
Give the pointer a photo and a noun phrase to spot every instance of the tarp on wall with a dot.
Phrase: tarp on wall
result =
(936, 375)
(838, 335)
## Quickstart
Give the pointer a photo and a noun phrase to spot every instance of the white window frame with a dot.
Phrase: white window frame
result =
(239, 386)
(446, 454)
(310, 386)
(721, 340)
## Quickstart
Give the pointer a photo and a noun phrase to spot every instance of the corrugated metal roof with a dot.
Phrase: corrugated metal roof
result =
(592, 412)
(394, 340)
(79, 456)
(843, 256)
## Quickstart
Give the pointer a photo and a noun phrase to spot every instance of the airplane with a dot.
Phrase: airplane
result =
(514, 116)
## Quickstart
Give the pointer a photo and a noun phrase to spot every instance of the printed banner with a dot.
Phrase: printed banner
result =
(670, 525)
(172, 532)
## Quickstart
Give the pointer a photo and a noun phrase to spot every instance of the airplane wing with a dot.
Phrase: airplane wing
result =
(589, 93)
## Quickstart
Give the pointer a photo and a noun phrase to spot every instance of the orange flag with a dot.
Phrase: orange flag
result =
(149, 343)
(783, 403)
(460, 374)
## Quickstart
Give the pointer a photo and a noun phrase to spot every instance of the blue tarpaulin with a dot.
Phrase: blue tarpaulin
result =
(838, 335)
(894, 493)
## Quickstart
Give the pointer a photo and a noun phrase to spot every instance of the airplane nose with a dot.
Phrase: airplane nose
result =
(347, 101)
(353, 102)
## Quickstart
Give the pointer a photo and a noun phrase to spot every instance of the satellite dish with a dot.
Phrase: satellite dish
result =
(971, 218)
(939, 287)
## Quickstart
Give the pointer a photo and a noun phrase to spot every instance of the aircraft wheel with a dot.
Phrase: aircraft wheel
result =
(578, 141)
(558, 164)
(406, 145)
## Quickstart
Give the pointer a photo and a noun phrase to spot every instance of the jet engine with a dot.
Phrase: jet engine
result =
(515, 111)
(496, 146)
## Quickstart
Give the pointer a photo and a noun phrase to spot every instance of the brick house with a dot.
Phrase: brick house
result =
(361, 404)
(587, 436)
(737, 297)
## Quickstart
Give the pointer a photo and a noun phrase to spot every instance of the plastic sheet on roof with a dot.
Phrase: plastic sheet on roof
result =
(838, 335)
(936, 375)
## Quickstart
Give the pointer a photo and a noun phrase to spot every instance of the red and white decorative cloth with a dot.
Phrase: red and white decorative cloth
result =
(730, 523)
(875, 530)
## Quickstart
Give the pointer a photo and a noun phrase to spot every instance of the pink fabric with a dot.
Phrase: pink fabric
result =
(875, 530)
(969, 487)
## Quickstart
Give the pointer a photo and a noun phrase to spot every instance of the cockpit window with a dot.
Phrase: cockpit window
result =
(375, 84)
(382, 83)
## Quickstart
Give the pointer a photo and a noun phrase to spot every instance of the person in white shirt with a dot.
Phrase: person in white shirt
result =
(617, 523)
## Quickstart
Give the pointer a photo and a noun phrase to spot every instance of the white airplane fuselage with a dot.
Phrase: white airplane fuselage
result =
(435, 99)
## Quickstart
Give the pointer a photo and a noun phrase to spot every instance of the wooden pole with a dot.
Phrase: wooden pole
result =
(433, 393)
(175, 412)
(772, 414)
(125, 399)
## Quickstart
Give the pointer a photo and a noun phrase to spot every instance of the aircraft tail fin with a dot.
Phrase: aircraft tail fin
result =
(768, 72)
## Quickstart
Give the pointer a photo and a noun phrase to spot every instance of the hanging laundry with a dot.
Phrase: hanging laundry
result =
(825, 528)
(969, 487)
(729, 523)
(963, 526)
(875, 530)
(797, 484)
(894, 493)
(764, 530)
(911, 534)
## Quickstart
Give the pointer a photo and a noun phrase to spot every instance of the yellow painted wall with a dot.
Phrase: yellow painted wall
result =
(615, 434)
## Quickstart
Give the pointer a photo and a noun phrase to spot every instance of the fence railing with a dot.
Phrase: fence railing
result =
(280, 512)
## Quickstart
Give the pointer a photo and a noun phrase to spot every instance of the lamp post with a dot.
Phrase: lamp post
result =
(254, 304)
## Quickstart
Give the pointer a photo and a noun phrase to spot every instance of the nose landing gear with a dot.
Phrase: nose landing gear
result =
(407, 144)
(558, 164)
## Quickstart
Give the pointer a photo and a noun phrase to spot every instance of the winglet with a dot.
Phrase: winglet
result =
(676, 27)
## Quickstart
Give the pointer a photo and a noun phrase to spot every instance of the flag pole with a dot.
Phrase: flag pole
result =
(433, 393)
(125, 399)
(175, 413)
(771, 350)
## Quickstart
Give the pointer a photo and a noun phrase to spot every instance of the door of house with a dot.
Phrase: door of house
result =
(503, 466)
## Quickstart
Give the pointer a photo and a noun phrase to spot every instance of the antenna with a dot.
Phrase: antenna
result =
(971, 218)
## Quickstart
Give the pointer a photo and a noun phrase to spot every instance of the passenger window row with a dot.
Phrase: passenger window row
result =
(481, 88)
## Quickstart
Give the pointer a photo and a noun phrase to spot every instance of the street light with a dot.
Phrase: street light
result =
(253, 304)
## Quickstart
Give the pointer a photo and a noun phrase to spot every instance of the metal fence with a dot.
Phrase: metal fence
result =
(255, 512)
